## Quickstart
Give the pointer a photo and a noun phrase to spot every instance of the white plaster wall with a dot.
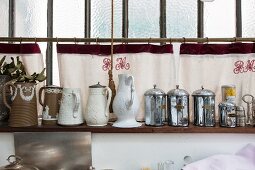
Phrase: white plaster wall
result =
(133, 151)
(6, 147)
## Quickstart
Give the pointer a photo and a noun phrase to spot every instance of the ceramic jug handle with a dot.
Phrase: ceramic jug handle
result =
(77, 100)
(108, 101)
(4, 93)
(131, 78)
(40, 95)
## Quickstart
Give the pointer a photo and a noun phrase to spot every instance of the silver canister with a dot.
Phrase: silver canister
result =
(240, 116)
(155, 107)
(204, 107)
(178, 107)
(227, 111)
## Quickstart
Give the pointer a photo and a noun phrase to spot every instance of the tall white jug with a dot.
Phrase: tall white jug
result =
(125, 103)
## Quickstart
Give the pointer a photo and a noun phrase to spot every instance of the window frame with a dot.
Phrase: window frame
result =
(87, 25)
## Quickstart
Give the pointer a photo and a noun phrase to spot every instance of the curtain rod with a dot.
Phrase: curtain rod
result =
(125, 40)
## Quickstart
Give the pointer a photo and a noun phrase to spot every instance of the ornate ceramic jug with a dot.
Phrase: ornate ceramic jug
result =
(4, 111)
(51, 103)
(23, 110)
(70, 112)
(125, 104)
(97, 110)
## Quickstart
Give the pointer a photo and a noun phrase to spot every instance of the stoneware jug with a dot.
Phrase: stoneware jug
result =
(4, 111)
(23, 110)
(70, 112)
(51, 103)
(97, 109)
(125, 103)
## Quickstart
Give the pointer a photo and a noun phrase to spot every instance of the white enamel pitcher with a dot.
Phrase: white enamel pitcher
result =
(97, 109)
(70, 112)
(125, 103)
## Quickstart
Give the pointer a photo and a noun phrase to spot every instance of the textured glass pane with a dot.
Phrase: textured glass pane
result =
(220, 18)
(248, 12)
(181, 18)
(31, 18)
(4, 6)
(68, 18)
(143, 18)
(69, 21)
(101, 18)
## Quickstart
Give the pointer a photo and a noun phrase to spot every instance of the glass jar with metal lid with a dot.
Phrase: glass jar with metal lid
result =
(204, 107)
(178, 107)
(155, 107)
(240, 116)
(227, 111)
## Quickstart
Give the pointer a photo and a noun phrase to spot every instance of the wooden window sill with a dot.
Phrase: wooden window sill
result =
(142, 129)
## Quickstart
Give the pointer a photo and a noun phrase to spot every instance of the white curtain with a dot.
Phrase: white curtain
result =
(83, 65)
(214, 65)
(30, 55)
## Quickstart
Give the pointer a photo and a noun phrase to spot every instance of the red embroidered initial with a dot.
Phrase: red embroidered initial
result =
(121, 64)
(242, 67)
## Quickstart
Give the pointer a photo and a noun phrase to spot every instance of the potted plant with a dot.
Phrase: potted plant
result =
(23, 110)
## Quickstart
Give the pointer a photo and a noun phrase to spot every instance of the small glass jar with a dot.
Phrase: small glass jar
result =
(227, 112)
(240, 115)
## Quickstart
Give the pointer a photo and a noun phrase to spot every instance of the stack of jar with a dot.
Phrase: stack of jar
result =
(230, 115)
(176, 113)
(178, 107)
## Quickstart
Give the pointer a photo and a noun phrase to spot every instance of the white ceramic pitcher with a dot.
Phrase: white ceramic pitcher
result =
(97, 109)
(70, 112)
(125, 103)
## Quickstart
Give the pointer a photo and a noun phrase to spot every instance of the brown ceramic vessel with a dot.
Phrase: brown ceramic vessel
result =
(51, 104)
(23, 110)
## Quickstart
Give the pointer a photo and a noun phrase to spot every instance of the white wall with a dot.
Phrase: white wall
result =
(133, 151)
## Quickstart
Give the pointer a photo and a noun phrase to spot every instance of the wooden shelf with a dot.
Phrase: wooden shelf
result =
(142, 129)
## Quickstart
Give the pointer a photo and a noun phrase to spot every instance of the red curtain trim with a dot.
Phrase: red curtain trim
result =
(19, 48)
(217, 49)
(98, 49)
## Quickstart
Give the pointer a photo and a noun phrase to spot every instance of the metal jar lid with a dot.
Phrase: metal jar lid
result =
(98, 85)
(239, 108)
(203, 92)
(226, 104)
(178, 92)
(154, 92)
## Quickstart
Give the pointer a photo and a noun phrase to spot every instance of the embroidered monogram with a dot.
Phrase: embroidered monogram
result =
(242, 67)
(107, 64)
(121, 64)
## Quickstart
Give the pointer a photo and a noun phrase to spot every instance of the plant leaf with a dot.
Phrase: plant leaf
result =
(2, 61)
(41, 77)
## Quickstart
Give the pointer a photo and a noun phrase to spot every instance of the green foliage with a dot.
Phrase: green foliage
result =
(18, 72)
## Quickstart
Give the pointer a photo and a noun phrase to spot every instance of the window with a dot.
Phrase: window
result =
(132, 19)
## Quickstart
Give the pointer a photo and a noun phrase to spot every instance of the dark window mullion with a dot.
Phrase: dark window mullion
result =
(200, 19)
(49, 60)
(87, 25)
(11, 31)
(238, 18)
(162, 20)
(125, 18)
